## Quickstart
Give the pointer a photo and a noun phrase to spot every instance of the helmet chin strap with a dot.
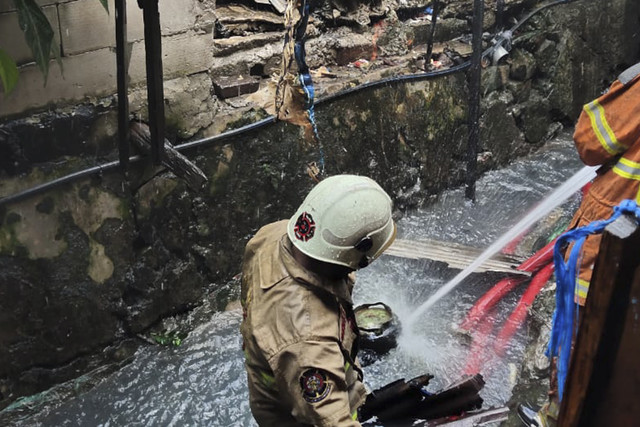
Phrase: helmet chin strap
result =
(364, 245)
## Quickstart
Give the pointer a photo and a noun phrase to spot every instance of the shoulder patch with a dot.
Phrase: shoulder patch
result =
(314, 385)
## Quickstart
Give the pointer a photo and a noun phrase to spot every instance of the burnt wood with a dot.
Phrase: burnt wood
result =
(180, 165)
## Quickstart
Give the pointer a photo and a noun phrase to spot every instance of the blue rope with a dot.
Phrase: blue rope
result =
(305, 77)
(565, 315)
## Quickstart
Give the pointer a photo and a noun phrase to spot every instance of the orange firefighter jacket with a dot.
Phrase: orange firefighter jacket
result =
(300, 338)
(608, 133)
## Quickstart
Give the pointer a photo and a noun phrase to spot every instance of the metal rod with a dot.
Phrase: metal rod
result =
(155, 91)
(473, 78)
(121, 75)
(432, 31)
(499, 14)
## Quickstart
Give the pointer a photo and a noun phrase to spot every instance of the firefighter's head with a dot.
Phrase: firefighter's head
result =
(345, 220)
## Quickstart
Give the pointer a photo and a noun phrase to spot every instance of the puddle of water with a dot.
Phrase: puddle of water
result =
(202, 382)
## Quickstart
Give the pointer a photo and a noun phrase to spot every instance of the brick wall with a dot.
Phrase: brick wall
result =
(86, 34)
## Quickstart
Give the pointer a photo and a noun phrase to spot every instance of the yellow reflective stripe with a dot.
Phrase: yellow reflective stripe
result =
(582, 287)
(602, 129)
(267, 379)
(347, 365)
(354, 416)
(638, 196)
(627, 169)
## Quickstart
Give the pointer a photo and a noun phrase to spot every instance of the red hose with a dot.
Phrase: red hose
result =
(478, 357)
(510, 248)
(519, 314)
(488, 300)
(538, 260)
(504, 286)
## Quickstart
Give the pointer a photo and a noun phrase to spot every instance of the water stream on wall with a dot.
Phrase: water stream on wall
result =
(202, 382)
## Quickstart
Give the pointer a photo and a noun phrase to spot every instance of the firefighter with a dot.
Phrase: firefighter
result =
(299, 331)
(607, 134)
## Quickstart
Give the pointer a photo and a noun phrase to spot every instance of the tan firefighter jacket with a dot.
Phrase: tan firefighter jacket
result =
(608, 133)
(300, 338)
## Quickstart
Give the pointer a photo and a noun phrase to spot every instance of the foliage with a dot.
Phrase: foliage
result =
(38, 33)
(173, 338)
(8, 72)
(39, 36)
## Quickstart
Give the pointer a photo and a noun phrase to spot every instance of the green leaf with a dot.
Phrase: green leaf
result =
(37, 31)
(8, 72)
(105, 4)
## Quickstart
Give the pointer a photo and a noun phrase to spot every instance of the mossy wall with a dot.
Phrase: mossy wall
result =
(105, 257)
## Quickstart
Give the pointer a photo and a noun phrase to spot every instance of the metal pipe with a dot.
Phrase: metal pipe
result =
(432, 31)
(155, 91)
(121, 75)
(499, 14)
(473, 77)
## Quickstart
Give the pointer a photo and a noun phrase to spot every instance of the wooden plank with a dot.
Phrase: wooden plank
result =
(593, 395)
(618, 406)
(177, 163)
(454, 255)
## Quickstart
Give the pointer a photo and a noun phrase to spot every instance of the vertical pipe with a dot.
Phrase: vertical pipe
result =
(121, 76)
(155, 92)
(499, 15)
(432, 31)
(473, 79)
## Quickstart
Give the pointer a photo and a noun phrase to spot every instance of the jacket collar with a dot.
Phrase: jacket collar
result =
(340, 288)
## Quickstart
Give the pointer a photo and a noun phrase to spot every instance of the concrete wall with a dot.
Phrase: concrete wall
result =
(86, 35)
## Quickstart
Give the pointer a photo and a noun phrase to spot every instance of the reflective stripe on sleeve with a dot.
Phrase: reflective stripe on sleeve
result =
(627, 169)
(602, 129)
(582, 287)
(268, 380)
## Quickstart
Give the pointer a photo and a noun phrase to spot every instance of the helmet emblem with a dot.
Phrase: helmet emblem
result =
(305, 227)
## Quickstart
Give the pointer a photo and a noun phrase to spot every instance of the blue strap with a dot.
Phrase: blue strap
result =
(305, 77)
(565, 315)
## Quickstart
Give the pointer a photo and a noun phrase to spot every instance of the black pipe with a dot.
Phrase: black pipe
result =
(252, 126)
(235, 132)
(473, 77)
(432, 31)
(155, 90)
(121, 76)
(499, 15)
(65, 180)
(544, 6)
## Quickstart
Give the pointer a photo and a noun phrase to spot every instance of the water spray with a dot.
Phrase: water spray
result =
(555, 199)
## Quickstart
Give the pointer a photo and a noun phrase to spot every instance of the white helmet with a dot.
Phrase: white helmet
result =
(344, 220)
